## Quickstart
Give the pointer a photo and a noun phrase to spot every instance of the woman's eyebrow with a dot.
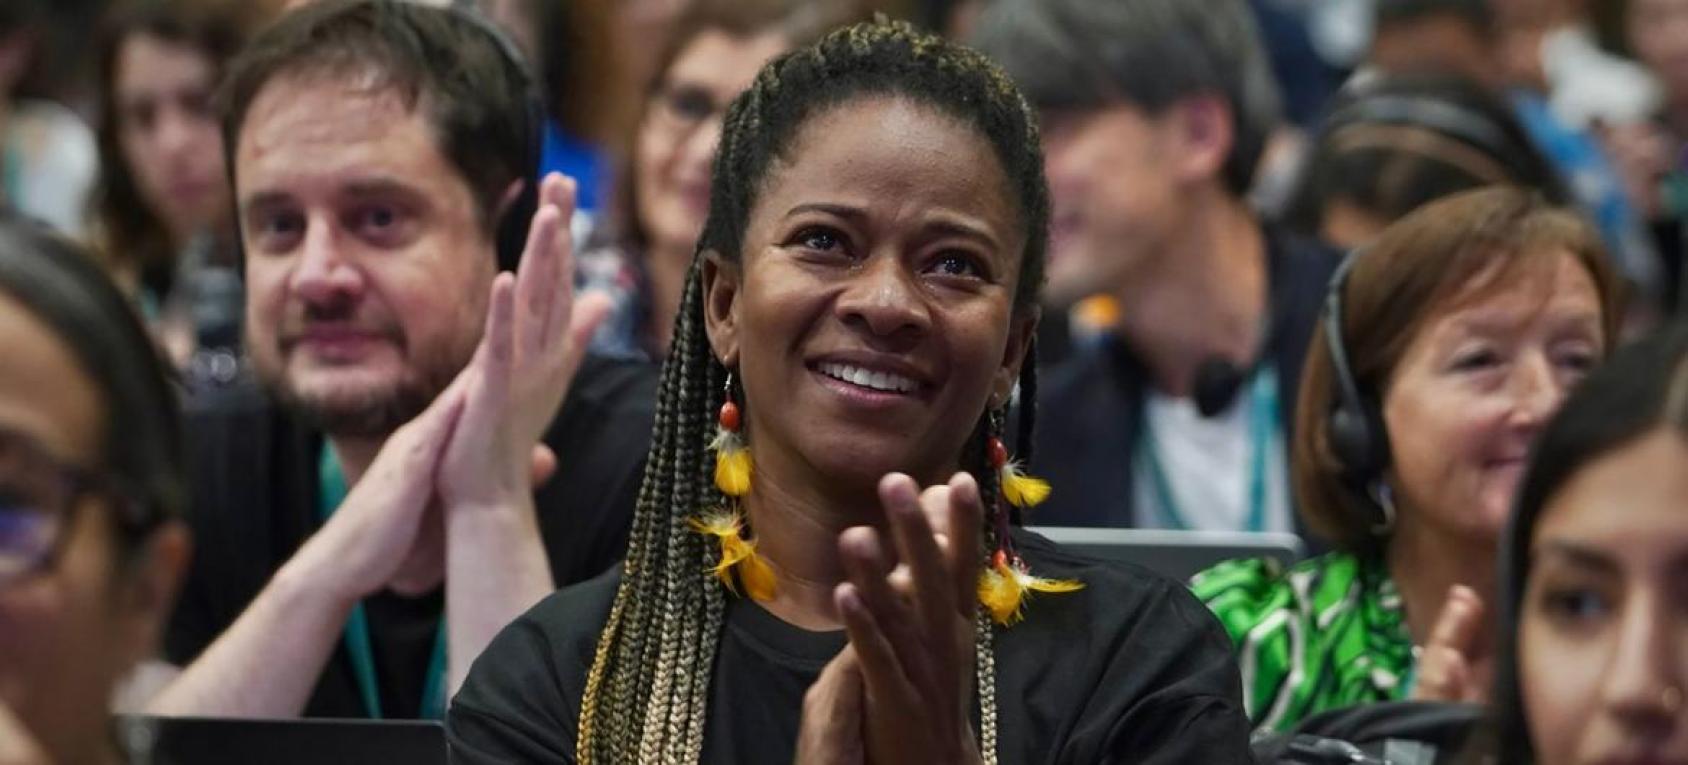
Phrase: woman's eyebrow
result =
(1575, 554)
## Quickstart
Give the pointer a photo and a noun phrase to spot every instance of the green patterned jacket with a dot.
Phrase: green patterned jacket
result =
(1325, 634)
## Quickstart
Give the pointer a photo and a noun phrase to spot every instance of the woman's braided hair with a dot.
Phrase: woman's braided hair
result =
(647, 694)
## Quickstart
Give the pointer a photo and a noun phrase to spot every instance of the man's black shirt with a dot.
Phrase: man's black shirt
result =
(255, 487)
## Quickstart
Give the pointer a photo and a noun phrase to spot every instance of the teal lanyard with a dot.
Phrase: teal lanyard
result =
(1263, 418)
(332, 491)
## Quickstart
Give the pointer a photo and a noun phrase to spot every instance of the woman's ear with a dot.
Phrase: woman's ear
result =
(1022, 332)
(721, 282)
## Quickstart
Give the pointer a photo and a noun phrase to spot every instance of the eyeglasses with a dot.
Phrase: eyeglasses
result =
(38, 498)
(682, 107)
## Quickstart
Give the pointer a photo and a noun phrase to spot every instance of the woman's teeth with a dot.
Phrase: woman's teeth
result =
(881, 381)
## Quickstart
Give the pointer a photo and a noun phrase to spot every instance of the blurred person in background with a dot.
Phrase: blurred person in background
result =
(1441, 36)
(1447, 344)
(1593, 663)
(1652, 153)
(1566, 93)
(569, 43)
(164, 214)
(47, 157)
(1155, 114)
(1391, 143)
(91, 495)
(641, 253)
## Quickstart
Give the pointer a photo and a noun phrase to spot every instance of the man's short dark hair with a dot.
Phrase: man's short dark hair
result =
(469, 88)
(1475, 12)
(1150, 54)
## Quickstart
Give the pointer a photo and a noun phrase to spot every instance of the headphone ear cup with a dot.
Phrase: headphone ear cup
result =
(1359, 441)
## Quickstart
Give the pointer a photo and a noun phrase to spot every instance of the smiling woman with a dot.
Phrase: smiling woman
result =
(858, 314)
(1447, 345)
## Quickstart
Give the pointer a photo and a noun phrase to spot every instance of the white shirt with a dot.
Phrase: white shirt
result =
(1208, 464)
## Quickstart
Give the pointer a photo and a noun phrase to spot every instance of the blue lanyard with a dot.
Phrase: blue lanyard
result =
(1263, 419)
(332, 491)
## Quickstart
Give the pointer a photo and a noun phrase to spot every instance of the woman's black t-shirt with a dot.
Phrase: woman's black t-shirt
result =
(1130, 669)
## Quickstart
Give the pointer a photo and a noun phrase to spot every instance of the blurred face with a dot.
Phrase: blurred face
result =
(1475, 386)
(367, 263)
(873, 317)
(681, 127)
(169, 134)
(66, 631)
(1603, 632)
(1658, 30)
(1114, 198)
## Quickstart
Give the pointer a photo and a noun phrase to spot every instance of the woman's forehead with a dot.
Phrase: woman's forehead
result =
(45, 394)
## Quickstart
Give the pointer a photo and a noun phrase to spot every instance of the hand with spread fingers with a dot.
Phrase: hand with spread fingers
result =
(908, 608)
(1445, 667)
(536, 336)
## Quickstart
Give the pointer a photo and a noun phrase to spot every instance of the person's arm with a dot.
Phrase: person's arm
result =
(535, 338)
(268, 661)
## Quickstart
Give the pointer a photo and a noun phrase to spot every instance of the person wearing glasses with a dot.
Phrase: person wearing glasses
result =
(640, 255)
(91, 542)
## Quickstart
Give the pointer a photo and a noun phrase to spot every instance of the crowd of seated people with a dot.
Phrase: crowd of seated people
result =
(412, 365)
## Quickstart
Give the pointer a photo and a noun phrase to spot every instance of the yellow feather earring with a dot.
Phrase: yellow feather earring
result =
(733, 467)
(1004, 587)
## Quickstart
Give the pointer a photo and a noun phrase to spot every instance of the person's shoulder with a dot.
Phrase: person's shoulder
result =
(521, 699)
(1116, 595)
(558, 637)
(1301, 258)
(577, 611)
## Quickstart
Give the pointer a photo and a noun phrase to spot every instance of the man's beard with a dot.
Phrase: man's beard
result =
(372, 412)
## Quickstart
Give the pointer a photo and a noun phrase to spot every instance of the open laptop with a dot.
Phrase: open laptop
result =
(203, 740)
(1177, 554)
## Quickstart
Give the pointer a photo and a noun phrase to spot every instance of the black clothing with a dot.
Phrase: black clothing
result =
(254, 495)
(1090, 409)
(1130, 669)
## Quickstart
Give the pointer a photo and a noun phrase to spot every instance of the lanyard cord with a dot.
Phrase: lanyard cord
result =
(1263, 418)
(359, 646)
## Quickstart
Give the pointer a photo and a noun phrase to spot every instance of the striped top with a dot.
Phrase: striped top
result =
(1327, 633)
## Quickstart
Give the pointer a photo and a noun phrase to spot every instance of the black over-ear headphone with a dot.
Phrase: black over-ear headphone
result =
(1356, 431)
(512, 226)
(1446, 117)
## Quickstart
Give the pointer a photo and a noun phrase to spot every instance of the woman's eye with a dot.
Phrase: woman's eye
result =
(1577, 361)
(1575, 605)
(1474, 361)
(957, 264)
(819, 239)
